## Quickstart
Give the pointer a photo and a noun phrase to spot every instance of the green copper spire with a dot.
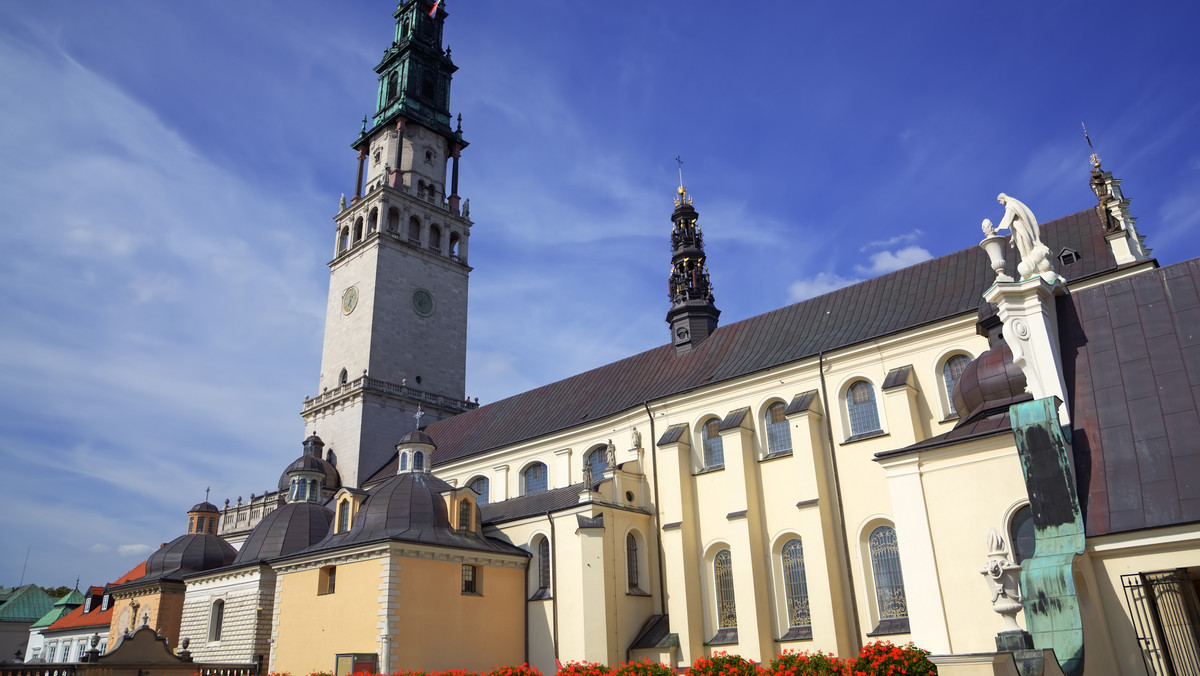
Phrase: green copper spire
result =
(414, 75)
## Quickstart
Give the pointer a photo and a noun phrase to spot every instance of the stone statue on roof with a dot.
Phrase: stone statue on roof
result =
(1027, 238)
(611, 452)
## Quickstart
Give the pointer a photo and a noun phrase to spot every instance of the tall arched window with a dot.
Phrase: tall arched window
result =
(343, 516)
(216, 619)
(435, 238)
(393, 83)
(454, 246)
(723, 576)
(534, 478)
(344, 239)
(597, 460)
(714, 452)
(885, 567)
(373, 218)
(464, 515)
(543, 554)
(393, 219)
(418, 461)
(343, 377)
(775, 423)
(414, 231)
(795, 586)
(358, 230)
(952, 370)
(403, 461)
(861, 410)
(1020, 534)
(631, 560)
(480, 486)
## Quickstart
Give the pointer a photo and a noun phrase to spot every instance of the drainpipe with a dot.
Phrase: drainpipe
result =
(553, 581)
(527, 561)
(837, 487)
(662, 589)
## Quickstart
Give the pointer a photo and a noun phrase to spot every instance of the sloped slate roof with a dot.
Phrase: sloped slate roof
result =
(530, 505)
(927, 292)
(1131, 353)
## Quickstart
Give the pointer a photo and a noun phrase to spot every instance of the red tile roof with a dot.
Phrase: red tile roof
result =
(96, 618)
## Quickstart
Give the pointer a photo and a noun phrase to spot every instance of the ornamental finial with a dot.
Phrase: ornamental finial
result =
(1095, 158)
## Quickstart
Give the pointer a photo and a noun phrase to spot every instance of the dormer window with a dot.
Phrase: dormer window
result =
(1068, 256)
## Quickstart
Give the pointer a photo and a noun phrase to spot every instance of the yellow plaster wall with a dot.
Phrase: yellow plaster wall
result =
(313, 627)
(442, 620)
(166, 613)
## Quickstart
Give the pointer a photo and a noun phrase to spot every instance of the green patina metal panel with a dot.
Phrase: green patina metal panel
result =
(1052, 613)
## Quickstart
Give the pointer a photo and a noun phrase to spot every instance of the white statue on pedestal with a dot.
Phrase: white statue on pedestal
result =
(1027, 238)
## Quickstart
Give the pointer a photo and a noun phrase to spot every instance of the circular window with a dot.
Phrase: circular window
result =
(422, 302)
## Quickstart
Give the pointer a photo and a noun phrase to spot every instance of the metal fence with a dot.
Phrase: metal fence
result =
(1166, 618)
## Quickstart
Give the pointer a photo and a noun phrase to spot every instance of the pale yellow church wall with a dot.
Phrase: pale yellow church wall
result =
(968, 489)
(1111, 556)
(164, 610)
(433, 608)
(312, 628)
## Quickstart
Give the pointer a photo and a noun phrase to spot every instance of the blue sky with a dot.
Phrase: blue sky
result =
(169, 172)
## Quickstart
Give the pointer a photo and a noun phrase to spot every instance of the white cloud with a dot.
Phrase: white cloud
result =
(883, 262)
(820, 284)
(906, 238)
(136, 551)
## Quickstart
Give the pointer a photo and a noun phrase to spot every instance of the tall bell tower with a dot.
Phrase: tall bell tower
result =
(396, 320)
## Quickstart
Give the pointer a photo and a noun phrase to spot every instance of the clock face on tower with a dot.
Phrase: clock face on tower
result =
(422, 302)
(349, 299)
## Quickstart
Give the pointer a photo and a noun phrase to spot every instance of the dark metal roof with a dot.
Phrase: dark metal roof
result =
(187, 554)
(927, 292)
(672, 434)
(897, 377)
(531, 505)
(655, 634)
(287, 530)
(312, 463)
(409, 507)
(1131, 352)
(416, 437)
(204, 507)
(734, 419)
(805, 401)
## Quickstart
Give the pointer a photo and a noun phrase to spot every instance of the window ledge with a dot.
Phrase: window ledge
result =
(727, 636)
(708, 470)
(775, 456)
(888, 627)
(864, 436)
(480, 594)
(953, 417)
(796, 634)
(541, 595)
(634, 591)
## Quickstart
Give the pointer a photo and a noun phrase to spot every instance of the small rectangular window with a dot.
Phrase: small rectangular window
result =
(469, 583)
(327, 580)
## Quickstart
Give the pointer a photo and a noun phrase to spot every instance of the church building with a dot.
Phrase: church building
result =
(812, 478)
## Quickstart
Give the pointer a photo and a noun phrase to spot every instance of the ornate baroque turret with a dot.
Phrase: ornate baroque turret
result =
(1126, 244)
(692, 316)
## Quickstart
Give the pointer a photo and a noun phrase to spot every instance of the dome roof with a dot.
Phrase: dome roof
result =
(287, 530)
(989, 382)
(417, 437)
(312, 463)
(204, 507)
(187, 554)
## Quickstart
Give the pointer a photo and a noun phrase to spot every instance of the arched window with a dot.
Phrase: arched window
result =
(464, 515)
(779, 440)
(480, 485)
(454, 245)
(795, 586)
(393, 220)
(885, 568)
(216, 619)
(414, 231)
(597, 461)
(1020, 534)
(861, 410)
(393, 82)
(200, 524)
(301, 493)
(358, 230)
(373, 219)
(343, 516)
(344, 239)
(714, 452)
(534, 478)
(952, 370)
(418, 461)
(403, 461)
(543, 569)
(723, 577)
(343, 377)
(435, 238)
(631, 561)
